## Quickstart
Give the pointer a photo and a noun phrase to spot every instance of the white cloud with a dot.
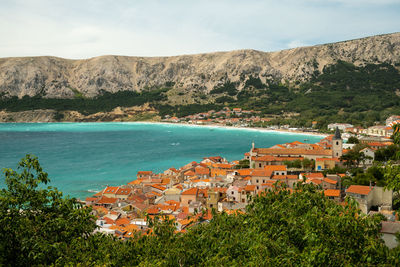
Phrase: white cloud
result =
(81, 29)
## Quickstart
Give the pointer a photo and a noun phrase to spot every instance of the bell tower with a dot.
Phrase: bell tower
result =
(337, 144)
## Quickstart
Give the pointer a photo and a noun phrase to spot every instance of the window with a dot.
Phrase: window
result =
(263, 181)
(232, 192)
(257, 181)
(337, 143)
(257, 187)
(259, 165)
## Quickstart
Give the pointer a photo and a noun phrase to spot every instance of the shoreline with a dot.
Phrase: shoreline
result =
(257, 129)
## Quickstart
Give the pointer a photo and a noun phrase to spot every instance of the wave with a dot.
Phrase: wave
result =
(92, 191)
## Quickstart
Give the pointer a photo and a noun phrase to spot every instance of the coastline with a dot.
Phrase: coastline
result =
(225, 127)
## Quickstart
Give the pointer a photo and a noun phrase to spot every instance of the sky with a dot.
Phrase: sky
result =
(88, 28)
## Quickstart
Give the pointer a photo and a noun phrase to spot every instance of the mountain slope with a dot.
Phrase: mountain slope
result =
(53, 77)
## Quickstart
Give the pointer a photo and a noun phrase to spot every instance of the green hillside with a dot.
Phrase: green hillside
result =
(342, 92)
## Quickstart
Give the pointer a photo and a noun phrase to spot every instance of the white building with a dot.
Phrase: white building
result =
(341, 126)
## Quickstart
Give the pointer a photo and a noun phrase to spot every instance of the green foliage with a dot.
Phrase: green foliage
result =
(185, 110)
(224, 99)
(254, 82)
(353, 140)
(342, 92)
(299, 228)
(37, 224)
(243, 164)
(104, 102)
(293, 163)
(387, 153)
(228, 87)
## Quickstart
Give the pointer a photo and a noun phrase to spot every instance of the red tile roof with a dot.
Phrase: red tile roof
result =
(159, 187)
(250, 188)
(293, 151)
(189, 173)
(316, 181)
(144, 172)
(317, 175)
(191, 191)
(276, 167)
(107, 200)
(330, 181)
(111, 190)
(359, 189)
(122, 221)
(202, 171)
(124, 191)
(332, 192)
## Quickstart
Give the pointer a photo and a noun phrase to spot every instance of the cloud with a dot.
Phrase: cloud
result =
(82, 29)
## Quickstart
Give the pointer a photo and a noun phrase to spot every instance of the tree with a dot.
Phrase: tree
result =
(353, 140)
(38, 224)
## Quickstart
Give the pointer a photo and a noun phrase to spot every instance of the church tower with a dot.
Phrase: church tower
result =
(337, 144)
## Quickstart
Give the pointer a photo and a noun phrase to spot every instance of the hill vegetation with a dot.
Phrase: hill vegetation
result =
(342, 92)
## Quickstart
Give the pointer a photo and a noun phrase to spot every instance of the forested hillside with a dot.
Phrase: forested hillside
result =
(342, 92)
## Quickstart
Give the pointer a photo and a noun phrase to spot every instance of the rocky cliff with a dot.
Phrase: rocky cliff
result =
(63, 78)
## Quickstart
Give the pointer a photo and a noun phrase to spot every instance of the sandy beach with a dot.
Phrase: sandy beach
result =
(237, 128)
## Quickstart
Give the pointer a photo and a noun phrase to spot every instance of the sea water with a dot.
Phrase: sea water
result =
(83, 158)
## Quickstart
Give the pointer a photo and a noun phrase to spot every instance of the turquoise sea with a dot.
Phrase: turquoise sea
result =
(82, 158)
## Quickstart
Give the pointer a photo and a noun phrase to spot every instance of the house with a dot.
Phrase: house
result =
(311, 175)
(276, 169)
(259, 177)
(390, 120)
(144, 174)
(107, 202)
(328, 183)
(110, 191)
(389, 230)
(123, 193)
(333, 194)
(289, 180)
(371, 197)
(233, 193)
(189, 196)
(173, 193)
(340, 126)
(379, 130)
(202, 172)
(325, 163)
(369, 156)
(247, 192)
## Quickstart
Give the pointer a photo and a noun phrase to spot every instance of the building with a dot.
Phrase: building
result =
(337, 144)
(340, 126)
(392, 119)
(371, 197)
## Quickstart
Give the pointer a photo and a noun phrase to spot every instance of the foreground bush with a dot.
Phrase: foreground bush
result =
(40, 227)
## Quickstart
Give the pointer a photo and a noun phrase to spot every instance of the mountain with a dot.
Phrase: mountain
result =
(189, 75)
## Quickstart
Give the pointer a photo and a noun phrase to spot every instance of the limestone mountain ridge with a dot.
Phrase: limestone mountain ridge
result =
(54, 77)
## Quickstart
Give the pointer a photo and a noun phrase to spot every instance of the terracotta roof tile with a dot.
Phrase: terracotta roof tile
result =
(332, 192)
(359, 189)
(191, 191)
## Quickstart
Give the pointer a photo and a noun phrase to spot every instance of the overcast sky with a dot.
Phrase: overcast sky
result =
(83, 29)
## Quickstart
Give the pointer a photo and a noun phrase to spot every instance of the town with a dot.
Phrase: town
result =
(188, 195)
(249, 118)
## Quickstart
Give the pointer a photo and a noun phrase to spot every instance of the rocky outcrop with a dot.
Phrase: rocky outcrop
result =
(137, 113)
(64, 78)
